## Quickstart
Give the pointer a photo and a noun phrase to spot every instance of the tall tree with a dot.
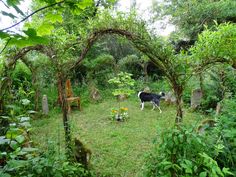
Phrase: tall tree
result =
(191, 16)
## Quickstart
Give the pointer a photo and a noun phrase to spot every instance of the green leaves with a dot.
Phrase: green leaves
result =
(184, 152)
(124, 83)
(54, 17)
(191, 16)
(78, 7)
(30, 32)
(22, 41)
(3, 140)
(216, 46)
(45, 29)
(13, 2)
(203, 174)
(20, 139)
(85, 3)
(4, 35)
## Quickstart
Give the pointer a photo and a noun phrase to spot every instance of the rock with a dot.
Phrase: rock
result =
(147, 90)
(196, 98)
(170, 98)
(121, 97)
(95, 95)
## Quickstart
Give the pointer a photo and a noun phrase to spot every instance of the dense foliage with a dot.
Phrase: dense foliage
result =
(185, 152)
(96, 47)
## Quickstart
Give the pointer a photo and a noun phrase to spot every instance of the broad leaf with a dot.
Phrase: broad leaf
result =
(27, 41)
(203, 174)
(25, 102)
(25, 124)
(4, 174)
(54, 18)
(13, 2)
(8, 14)
(3, 140)
(14, 145)
(23, 119)
(30, 32)
(38, 40)
(18, 10)
(20, 139)
(85, 3)
(45, 29)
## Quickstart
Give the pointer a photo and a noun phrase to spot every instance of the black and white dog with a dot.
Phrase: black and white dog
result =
(151, 97)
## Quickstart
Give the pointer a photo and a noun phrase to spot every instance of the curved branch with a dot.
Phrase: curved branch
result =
(43, 8)
(138, 42)
(96, 35)
(22, 53)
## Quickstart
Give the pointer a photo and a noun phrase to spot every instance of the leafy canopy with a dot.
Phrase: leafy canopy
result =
(191, 16)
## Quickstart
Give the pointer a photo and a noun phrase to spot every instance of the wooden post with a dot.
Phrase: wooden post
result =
(45, 105)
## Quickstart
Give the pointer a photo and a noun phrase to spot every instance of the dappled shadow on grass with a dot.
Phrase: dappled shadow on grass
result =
(118, 148)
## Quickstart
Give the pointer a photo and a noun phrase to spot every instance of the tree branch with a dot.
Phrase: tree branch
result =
(43, 8)
(95, 36)
(21, 54)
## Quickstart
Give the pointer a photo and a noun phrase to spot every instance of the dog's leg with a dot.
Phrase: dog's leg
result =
(159, 108)
(142, 106)
(153, 105)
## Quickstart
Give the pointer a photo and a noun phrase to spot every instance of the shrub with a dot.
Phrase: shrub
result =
(133, 64)
(227, 127)
(184, 152)
(100, 69)
(47, 164)
(20, 74)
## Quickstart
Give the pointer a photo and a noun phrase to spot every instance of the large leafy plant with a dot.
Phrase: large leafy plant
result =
(124, 84)
(184, 152)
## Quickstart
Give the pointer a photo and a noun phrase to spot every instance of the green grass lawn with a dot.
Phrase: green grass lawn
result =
(118, 148)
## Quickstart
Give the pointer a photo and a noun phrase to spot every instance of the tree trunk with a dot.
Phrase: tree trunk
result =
(59, 91)
(36, 99)
(201, 83)
(62, 92)
(36, 89)
(179, 107)
(145, 70)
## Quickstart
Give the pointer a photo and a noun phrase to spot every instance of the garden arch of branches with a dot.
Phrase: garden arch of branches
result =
(163, 62)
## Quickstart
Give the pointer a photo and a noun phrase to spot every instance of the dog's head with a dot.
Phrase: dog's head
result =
(162, 94)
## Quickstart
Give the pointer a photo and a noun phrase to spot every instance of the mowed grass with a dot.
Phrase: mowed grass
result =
(118, 148)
